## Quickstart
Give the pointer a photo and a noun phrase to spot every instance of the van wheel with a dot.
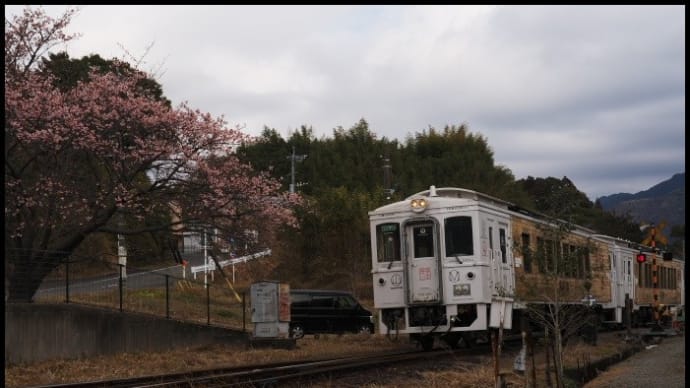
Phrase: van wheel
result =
(296, 331)
(364, 329)
(469, 340)
(452, 340)
(427, 342)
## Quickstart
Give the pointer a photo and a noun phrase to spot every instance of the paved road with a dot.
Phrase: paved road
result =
(662, 365)
(134, 280)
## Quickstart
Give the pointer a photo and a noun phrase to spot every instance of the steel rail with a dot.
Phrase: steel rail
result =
(262, 375)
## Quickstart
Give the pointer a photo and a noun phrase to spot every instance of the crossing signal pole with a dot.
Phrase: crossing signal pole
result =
(655, 275)
(655, 270)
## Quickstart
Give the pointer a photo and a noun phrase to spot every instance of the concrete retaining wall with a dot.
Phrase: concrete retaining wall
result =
(37, 332)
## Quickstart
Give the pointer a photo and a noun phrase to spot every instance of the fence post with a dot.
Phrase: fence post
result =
(120, 286)
(167, 297)
(67, 281)
(208, 304)
(244, 313)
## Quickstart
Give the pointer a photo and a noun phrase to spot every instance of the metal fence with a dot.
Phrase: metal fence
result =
(169, 292)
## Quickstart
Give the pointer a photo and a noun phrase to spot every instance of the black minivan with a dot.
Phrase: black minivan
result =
(325, 311)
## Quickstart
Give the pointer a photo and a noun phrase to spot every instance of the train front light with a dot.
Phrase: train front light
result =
(419, 205)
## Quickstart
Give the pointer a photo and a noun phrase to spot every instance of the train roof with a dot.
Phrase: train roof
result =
(458, 193)
(455, 192)
(469, 195)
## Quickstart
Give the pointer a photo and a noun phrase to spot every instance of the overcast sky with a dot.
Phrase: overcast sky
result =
(594, 93)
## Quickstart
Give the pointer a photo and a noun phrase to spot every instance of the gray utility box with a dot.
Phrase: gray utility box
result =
(270, 302)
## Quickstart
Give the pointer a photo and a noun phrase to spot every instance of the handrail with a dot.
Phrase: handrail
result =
(243, 259)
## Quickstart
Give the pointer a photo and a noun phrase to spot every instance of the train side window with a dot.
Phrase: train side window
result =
(502, 242)
(526, 253)
(459, 241)
(388, 242)
(641, 276)
(491, 240)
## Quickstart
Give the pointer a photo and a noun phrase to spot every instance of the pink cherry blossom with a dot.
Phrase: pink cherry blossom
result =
(77, 160)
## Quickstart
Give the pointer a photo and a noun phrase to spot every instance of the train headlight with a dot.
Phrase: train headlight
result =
(419, 204)
(462, 290)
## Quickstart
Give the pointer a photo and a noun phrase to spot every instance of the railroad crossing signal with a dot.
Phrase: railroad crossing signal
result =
(654, 235)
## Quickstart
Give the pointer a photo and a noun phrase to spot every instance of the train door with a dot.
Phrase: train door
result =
(622, 281)
(496, 245)
(626, 270)
(616, 279)
(422, 262)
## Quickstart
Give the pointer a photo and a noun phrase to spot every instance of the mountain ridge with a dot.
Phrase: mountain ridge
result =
(664, 201)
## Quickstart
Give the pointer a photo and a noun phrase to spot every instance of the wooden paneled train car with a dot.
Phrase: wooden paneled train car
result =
(450, 263)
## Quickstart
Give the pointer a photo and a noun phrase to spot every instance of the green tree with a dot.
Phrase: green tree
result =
(560, 197)
(268, 152)
(678, 241)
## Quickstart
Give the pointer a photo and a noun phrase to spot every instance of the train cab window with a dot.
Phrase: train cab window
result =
(388, 242)
(459, 236)
(526, 252)
(423, 238)
(503, 244)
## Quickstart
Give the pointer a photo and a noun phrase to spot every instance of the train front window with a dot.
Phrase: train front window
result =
(423, 237)
(388, 242)
(459, 236)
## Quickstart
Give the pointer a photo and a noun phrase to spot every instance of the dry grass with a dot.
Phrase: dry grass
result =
(470, 377)
(463, 375)
(460, 374)
(188, 302)
(184, 360)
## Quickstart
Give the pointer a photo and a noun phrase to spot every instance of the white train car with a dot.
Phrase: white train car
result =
(442, 265)
(451, 263)
(621, 264)
(640, 285)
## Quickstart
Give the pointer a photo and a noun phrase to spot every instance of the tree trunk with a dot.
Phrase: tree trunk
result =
(27, 272)
(558, 358)
(496, 351)
(530, 355)
(547, 357)
(527, 343)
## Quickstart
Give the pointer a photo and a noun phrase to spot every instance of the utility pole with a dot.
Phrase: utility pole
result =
(294, 157)
(387, 189)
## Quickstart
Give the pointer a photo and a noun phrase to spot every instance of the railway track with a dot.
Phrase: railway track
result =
(283, 373)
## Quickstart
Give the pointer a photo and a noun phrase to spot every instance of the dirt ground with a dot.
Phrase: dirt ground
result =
(457, 371)
(452, 372)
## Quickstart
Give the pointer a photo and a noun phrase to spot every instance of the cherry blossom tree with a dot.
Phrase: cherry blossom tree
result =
(77, 159)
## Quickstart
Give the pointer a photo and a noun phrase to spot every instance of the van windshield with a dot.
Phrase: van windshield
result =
(345, 302)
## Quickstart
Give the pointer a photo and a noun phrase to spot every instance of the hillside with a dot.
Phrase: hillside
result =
(664, 201)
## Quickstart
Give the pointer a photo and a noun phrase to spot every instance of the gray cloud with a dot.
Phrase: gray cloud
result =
(595, 93)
